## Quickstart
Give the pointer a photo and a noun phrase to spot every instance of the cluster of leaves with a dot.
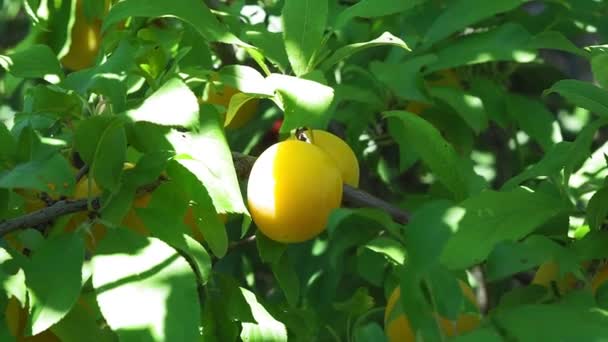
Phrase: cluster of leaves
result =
(502, 167)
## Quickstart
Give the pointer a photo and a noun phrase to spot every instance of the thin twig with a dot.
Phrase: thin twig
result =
(243, 163)
(45, 215)
(83, 171)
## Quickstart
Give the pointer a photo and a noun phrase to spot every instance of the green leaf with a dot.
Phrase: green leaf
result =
(552, 322)
(463, 13)
(145, 289)
(35, 61)
(508, 42)
(52, 100)
(492, 217)
(270, 251)
(206, 155)
(194, 12)
(403, 78)
(303, 26)
(51, 174)
(305, 102)
(9, 145)
(533, 118)
(385, 39)
(583, 94)
(53, 278)
(246, 79)
(357, 304)
(102, 144)
(287, 277)
(80, 324)
(267, 328)
(388, 247)
(236, 102)
(597, 208)
(599, 66)
(270, 44)
(435, 152)
(373, 9)
(160, 107)
(468, 106)
(12, 278)
(557, 41)
(551, 164)
(370, 332)
(204, 212)
(510, 257)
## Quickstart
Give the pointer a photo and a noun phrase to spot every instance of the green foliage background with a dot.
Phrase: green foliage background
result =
(502, 168)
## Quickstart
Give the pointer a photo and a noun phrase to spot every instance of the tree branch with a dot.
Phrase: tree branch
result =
(351, 197)
(243, 163)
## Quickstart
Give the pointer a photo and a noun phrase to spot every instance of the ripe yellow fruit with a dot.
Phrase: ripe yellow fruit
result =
(600, 278)
(292, 189)
(86, 39)
(340, 152)
(98, 231)
(221, 96)
(16, 318)
(548, 272)
(398, 328)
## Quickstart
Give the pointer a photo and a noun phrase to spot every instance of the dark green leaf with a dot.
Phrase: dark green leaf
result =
(583, 94)
(533, 118)
(303, 26)
(53, 278)
(145, 289)
(463, 13)
(597, 209)
(267, 328)
(35, 61)
(194, 12)
(372, 9)
(102, 143)
(287, 277)
(435, 152)
(492, 217)
(469, 107)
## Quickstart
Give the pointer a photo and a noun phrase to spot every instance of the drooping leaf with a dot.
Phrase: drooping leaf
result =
(435, 152)
(53, 278)
(462, 13)
(145, 289)
(534, 119)
(35, 61)
(583, 94)
(195, 13)
(372, 9)
(287, 277)
(597, 209)
(267, 327)
(385, 39)
(160, 107)
(303, 26)
(492, 217)
(304, 102)
(468, 106)
(102, 143)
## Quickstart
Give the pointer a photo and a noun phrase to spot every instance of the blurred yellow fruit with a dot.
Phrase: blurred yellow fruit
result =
(398, 328)
(85, 40)
(292, 189)
(221, 95)
(548, 273)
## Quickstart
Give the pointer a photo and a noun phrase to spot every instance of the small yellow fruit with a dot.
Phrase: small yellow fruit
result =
(221, 96)
(600, 278)
(548, 272)
(292, 189)
(398, 329)
(86, 39)
(340, 152)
